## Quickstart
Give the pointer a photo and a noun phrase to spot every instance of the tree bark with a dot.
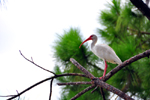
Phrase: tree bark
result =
(142, 7)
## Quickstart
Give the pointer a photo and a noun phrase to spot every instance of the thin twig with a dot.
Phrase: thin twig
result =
(82, 92)
(74, 83)
(35, 63)
(51, 88)
(116, 97)
(111, 96)
(32, 59)
(101, 90)
(94, 89)
(7, 95)
(102, 93)
(18, 93)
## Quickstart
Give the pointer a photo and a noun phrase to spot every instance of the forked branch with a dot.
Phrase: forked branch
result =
(98, 82)
(35, 63)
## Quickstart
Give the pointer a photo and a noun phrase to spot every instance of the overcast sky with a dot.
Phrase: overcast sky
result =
(31, 26)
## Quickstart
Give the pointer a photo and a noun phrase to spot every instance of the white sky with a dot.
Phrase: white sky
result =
(31, 26)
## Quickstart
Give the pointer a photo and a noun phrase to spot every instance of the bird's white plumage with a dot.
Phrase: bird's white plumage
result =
(105, 52)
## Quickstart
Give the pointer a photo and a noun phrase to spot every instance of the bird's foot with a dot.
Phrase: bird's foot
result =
(101, 78)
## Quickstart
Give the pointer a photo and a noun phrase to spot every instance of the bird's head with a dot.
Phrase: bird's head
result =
(92, 37)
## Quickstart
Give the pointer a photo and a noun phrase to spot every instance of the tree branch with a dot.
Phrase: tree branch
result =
(108, 87)
(51, 89)
(94, 89)
(74, 83)
(100, 83)
(82, 92)
(88, 74)
(6, 95)
(142, 7)
(35, 63)
(102, 93)
(101, 90)
(127, 62)
(56, 76)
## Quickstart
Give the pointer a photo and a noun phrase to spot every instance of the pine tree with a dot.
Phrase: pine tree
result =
(127, 32)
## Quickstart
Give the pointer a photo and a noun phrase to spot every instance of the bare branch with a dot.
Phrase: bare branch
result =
(18, 93)
(6, 95)
(51, 89)
(102, 93)
(108, 87)
(88, 74)
(82, 92)
(74, 83)
(94, 89)
(100, 83)
(36, 64)
(32, 59)
(101, 90)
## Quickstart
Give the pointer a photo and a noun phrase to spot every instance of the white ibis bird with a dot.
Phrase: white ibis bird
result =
(104, 52)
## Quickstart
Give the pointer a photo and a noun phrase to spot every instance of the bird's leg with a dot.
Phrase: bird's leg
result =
(104, 70)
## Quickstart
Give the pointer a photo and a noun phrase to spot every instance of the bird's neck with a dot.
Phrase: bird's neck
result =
(93, 43)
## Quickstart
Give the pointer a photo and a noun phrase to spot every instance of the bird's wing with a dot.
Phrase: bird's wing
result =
(107, 53)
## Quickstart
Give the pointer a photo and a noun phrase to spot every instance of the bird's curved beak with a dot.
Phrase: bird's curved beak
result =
(85, 41)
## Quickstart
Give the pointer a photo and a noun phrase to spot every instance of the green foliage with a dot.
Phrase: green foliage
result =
(127, 32)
